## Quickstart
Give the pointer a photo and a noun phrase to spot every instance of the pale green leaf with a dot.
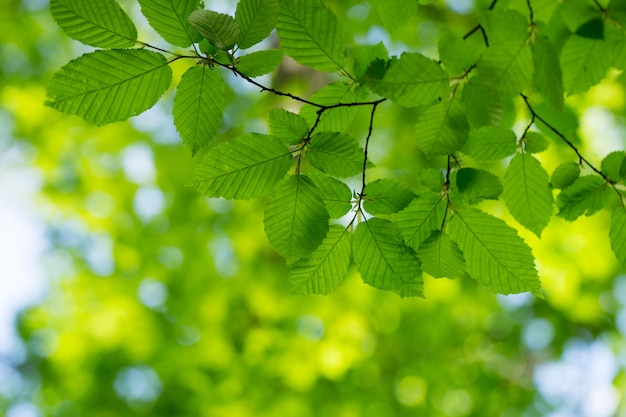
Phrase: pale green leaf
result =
(617, 234)
(475, 185)
(411, 80)
(336, 119)
(442, 129)
(441, 257)
(326, 268)
(547, 75)
(220, 29)
(101, 23)
(296, 220)
(169, 19)
(564, 175)
(458, 54)
(289, 127)
(490, 143)
(386, 196)
(481, 107)
(587, 195)
(420, 218)
(612, 165)
(109, 86)
(260, 63)
(585, 62)
(198, 106)
(336, 154)
(368, 54)
(383, 259)
(256, 19)
(431, 179)
(245, 167)
(395, 14)
(535, 142)
(494, 253)
(335, 194)
(309, 33)
(527, 193)
(506, 67)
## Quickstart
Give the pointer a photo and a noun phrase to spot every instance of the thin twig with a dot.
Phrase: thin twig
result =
(532, 15)
(482, 30)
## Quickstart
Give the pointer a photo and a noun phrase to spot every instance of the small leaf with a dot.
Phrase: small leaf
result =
(617, 234)
(296, 220)
(289, 127)
(564, 175)
(586, 195)
(169, 19)
(220, 29)
(386, 196)
(494, 254)
(245, 167)
(411, 80)
(384, 261)
(109, 86)
(535, 142)
(442, 129)
(335, 154)
(368, 54)
(422, 216)
(612, 165)
(336, 119)
(441, 257)
(490, 143)
(527, 193)
(260, 63)
(335, 194)
(101, 23)
(256, 19)
(198, 106)
(547, 74)
(309, 33)
(326, 268)
(475, 185)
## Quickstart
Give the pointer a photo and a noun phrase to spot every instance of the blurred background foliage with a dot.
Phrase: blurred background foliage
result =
(160, 302)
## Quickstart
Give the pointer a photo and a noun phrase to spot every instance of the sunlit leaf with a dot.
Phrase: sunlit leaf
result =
(420, 218)
(289, 127)
(335, 194)
(612, 165)
(585, 62)
(547, 74)
(260, 63)
(586, 195)
(220, 29)
(617, 234)
(335, 154)
(336, 119)
(441, 257)
(256, 19)
(564, 175)
(169, 19)
(476, 184)
(386, 196)
(490, 143)
(368, 54)
(442, 129)
(535, 142)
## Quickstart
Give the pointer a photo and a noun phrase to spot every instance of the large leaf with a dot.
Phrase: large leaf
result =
(420, 218)
(289, 127)
(325, 269)
(585, 62)
(384, 261)
(490, 143)
(245, 167)
(442, 129)
(101, 23)
(506, 67)
(309, 33)
(335, 194)
(260, 63)
(109, 86)
(169, 19)
(527, 193)
(458, 54)
(494, 253)
(256, 18)
(547, 75)
(219, 29)
(335, 119)
(336, 154)
(586, 195)
(411, 80)
(198, 106)
(386, 196)
(441, 257)
(296, 220)
(618, 234)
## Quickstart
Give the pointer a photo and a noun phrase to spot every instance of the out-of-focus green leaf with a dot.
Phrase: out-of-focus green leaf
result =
(535, 142)
(442, 129)
(617, 234)
(586, 195)
(490, 143)
(475, 185)
(612, 165)
(564, 175)
(547, 74)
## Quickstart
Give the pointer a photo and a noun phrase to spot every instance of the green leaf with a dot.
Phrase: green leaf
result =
(617, 234)
(458, 54)
(309, 33)
(386, 196)
(335, 194)
(535, 142)
(612, 165)
(547, 75)
(169, 19)
(475, 185)
(586, 195)
(506, 67)
(564, 175)
(368, 54)
(431, 179)
(101, 23)
(109, 86)
(245, 167)
(289, 127)
(326, 268)
(383, 259)
(442, 129)
(441, 257)
(411, 80)
(335, 154)
(296, 220)
(198, 106)
(494, 254)
(220, 29)
(592, 29)
(256, 19)
(527, 193)
(490, 143)
(395, 14)
(260, 63)
(336, 119)
(422, 216)
(482, 108)
(585, 62)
